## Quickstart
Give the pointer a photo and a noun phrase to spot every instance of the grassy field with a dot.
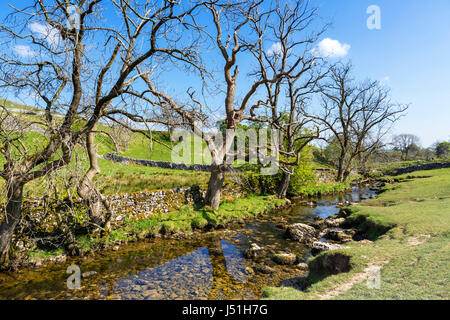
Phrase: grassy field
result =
(114, 177)
(414, 255)
(390, 167)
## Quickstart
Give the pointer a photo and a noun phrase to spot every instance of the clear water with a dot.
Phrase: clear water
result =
(207, 266)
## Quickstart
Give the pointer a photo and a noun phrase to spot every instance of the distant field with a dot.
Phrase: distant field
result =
(114, 177)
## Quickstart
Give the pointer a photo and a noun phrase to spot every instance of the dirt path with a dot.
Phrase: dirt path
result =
(357, 278)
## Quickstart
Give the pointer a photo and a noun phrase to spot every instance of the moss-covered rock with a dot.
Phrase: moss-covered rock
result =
(284, 258)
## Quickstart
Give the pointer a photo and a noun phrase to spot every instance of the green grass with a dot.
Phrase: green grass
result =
(390, 167)
(14, 105)
(39, 254)
(317, 188)
(417, 247)
(186, 220)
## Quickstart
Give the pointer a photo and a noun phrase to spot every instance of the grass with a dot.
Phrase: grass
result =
(116, 178)
(39, 254)
(317, 188)
(415, 251)
(186, 220)
(390, 167)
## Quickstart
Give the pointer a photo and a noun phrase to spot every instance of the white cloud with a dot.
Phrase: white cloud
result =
(50, 34)
(24, 51)
(329, 48)
(275, 49)
(386, 80)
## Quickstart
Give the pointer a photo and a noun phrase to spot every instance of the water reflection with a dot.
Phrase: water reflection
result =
(211, 267)
(189, 276)
(234, 261)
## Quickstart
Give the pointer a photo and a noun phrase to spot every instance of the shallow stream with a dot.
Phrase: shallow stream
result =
(207, 266)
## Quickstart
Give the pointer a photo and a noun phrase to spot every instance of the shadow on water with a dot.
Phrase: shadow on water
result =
(211, 266)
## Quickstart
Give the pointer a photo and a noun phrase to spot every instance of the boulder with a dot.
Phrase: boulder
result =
(338, 235)
(284, 258)
(332, 263)
(303, 266)
(254, 252)
(264, 269)
(301, 232)
(318, 246)
(334, 223)
(318, 223)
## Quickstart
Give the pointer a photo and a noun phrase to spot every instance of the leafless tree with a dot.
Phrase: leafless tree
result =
(288, 96)
(240, 34)
(352, 111)
(80, 65)
(404, 143)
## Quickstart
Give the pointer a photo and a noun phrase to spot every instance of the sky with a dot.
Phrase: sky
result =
(409, 53)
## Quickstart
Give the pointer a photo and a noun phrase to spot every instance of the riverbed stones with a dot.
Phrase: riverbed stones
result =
(336, 234)
(318, 223)
(88, 274)
(319, 246)
(334, 223)
(302, 266)
(264, 269)
(254, 252)
(301, 232)
(284, 258)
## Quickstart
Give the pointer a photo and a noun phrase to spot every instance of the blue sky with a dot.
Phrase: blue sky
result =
(410, 54)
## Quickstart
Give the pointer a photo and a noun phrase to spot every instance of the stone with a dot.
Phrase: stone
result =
(301, 232)
(303, 266)
(319, 224)
(333, 263)
(311, 203)
(264, 269)
(333, 223)
(284, 258)
(88, 274)
(254, 252)
(318, 246)
(336, 235)
(60, 259)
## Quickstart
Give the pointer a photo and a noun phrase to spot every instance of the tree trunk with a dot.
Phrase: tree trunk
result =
(97, 203)
(282, 191)
(340, 173)
(11, 219)
(215, 185)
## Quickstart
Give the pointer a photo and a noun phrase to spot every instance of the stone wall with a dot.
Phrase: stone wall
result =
(158, 164)
(325, 175)
(425, 166)
(42, 216)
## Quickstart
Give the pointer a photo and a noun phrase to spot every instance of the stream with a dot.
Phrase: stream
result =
(206, 266)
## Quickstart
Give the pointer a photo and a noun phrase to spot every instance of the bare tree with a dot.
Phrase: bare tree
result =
(352, 111)
(288, 96)
(405, 143)
(79, 66)
(239, 34)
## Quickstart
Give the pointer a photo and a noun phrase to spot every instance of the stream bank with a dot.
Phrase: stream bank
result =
(204, 266)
